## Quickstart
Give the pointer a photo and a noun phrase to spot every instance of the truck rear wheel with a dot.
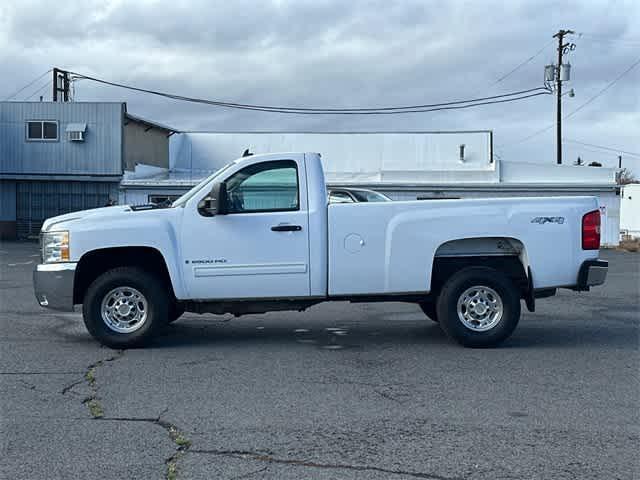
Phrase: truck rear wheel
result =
(125, 307)
(479, 307)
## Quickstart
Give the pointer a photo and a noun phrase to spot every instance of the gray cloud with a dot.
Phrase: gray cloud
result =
(331, 53)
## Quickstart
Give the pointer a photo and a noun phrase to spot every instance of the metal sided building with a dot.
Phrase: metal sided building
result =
(630, 210)
(59, 157)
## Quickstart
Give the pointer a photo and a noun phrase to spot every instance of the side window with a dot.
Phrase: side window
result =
(340, 197)
(264, 187)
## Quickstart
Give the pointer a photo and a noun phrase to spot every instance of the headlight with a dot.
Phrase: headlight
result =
(55, 247)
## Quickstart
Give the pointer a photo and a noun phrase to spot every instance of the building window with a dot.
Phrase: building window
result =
(42, 130)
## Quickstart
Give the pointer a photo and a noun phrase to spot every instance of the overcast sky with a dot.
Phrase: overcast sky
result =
(342, 54)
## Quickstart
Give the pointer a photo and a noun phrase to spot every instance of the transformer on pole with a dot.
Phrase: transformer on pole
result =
(561, 72)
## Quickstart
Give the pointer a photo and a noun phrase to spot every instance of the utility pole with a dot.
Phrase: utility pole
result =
(560, 36)
(619, 161)
(54, 94)
(61, 83)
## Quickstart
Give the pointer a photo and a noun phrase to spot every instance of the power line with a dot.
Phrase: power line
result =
(41, 88)
(534, 134)
(522, 64)
(601, 147)
(598, 38)
(458, 107)
(453, 105)
(602, 91)
(588, 151)
(607, 87)
(28, 85)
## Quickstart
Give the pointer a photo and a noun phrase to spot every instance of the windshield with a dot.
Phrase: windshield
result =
(187, 196)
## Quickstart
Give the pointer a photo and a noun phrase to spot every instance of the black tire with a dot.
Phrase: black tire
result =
(175, 311)
(455, 287)
(153, 290)
(429, 309)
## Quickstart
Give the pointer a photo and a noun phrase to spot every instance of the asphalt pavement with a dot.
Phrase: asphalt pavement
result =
(341, 391)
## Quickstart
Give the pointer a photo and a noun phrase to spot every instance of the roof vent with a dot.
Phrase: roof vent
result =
(75, 132)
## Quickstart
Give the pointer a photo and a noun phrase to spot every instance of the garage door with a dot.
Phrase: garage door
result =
(37, 201)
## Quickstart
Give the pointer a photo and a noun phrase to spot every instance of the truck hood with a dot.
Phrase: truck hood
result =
(62, 222)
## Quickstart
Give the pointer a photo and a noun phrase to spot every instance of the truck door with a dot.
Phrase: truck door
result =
(259, 248)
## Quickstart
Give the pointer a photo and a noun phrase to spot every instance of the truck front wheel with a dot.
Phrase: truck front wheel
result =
(479, 307)
(125, 307)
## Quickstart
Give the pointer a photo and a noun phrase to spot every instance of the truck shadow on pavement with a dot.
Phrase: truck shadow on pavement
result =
(327, 336)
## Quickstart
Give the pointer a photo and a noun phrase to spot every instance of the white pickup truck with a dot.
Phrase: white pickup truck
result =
(260, 235)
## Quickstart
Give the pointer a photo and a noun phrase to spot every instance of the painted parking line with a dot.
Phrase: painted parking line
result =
(19, 263)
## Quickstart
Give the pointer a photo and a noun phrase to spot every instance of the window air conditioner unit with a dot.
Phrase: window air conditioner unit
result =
(75, 132)
(76, 136)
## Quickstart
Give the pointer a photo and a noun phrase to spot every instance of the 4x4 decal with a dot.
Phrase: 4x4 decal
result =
(543, 220)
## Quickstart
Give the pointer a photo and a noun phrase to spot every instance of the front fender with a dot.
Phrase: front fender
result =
(152, 229)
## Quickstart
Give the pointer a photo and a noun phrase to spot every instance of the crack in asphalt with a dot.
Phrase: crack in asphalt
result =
(175, 434)
(262, 457)
(41, 373)
(28, 385)
(70, 386)
(97, 413)
(250, 474)
(183, 444)
(92, 401)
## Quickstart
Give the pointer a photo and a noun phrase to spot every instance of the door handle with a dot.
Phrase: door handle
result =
(286, 228)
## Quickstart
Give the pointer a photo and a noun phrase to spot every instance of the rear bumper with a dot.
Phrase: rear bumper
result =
(53, 285)
(592, 273)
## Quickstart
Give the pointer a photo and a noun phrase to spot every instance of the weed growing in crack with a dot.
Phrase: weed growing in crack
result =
(177, 437)
(172, 470)
(183, 444)
(95, 409)
(90, 376)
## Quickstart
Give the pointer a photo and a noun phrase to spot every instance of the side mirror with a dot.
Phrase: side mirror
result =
(216, 202)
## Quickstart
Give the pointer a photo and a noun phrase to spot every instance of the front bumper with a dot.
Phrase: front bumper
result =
(592, 273)
(53, 285)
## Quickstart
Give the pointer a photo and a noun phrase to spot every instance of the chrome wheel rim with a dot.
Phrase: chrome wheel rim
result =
(124, 309)
(480, 308)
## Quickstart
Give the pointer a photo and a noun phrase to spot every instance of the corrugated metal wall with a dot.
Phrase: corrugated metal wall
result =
(7, 201)
(144, 145)
(99, 154)
(37, 201)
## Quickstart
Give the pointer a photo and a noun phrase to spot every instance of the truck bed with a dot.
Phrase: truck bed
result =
(389, 247)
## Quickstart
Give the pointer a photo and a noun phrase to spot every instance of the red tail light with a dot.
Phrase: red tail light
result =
(591, 230)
